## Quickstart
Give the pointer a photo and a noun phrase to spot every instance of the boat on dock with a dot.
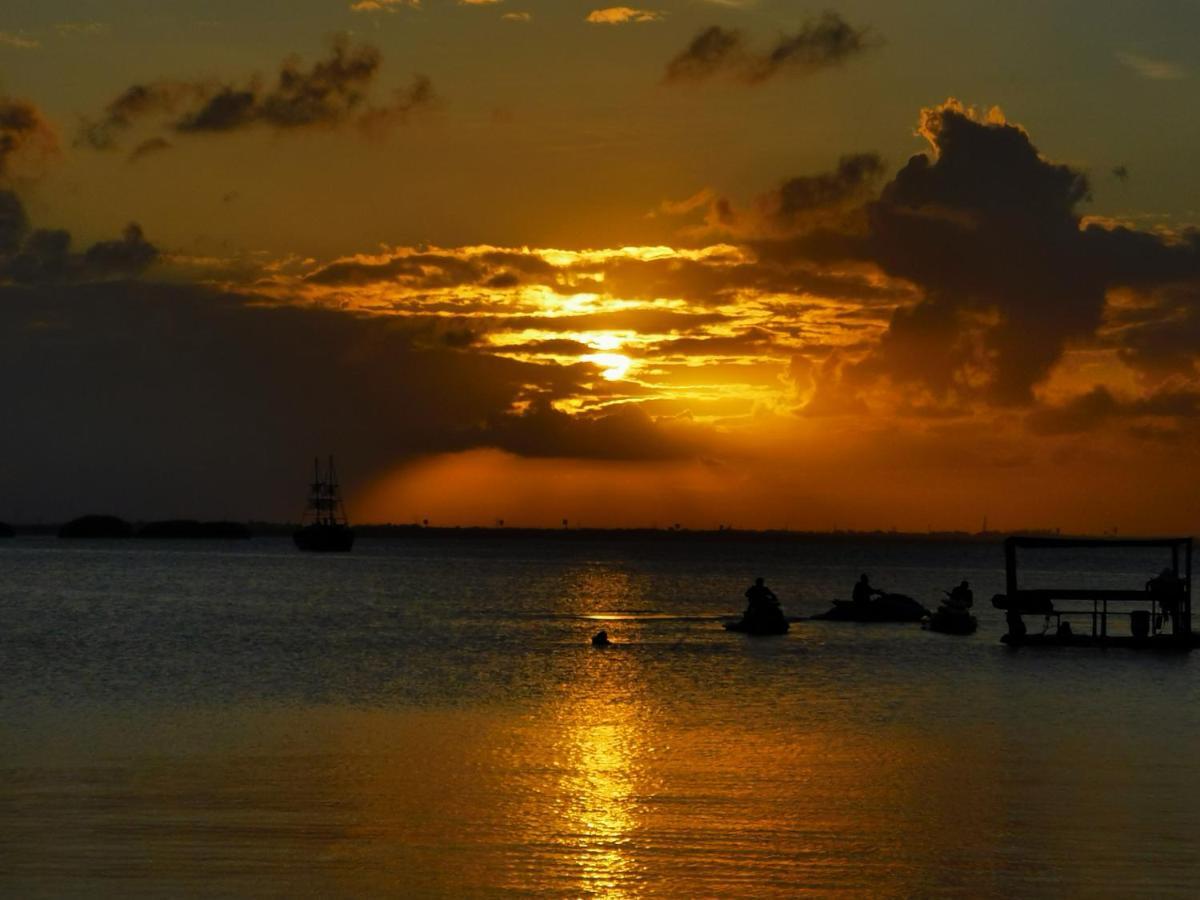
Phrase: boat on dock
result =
(324, 528)
(1155, 616)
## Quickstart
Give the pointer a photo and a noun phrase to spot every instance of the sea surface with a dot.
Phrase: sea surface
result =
(428, 718)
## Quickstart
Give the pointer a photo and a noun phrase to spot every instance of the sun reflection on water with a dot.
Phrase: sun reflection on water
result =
(602, 805)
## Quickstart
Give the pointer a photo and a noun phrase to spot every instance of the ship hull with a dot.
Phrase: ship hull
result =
(324, 538)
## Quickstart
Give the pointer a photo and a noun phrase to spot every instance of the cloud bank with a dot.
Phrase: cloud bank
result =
(822, 43)
(328, 94)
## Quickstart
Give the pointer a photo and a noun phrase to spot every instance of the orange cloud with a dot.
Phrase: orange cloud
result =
(622, 15)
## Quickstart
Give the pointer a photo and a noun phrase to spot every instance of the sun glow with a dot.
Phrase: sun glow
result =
(615, 365)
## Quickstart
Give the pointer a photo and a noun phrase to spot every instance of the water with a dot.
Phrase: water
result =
(428, 718)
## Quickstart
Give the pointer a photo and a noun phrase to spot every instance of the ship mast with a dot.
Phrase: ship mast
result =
(324, 498)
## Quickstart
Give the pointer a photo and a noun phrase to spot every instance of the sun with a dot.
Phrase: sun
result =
(615, 365)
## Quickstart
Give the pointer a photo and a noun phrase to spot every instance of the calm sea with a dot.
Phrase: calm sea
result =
(428, 718)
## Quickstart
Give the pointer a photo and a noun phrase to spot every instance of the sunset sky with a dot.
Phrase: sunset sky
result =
(857, 265)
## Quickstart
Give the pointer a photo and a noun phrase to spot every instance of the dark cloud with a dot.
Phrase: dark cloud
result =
(825, 41)
(712, 279)
(710, 51)
(44, 255)
(798, 200)
(328, 93)
(147, 396)
(1160, 337)
(990, 233)
(414, 270)
(130, 255)
(22, 128)
(1099, 407)
(749, 342)
(626, 433)
(136, 102)
(228, 109)
(715, 280)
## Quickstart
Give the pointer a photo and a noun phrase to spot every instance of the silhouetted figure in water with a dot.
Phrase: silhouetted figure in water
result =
(863, 592)
(1167, 590)
(954, 615)
(763, 614)
(961, 597)
(759, 596)
(600, 639)
(1016, 626)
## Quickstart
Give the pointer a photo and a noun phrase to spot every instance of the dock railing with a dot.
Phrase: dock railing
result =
(1166, 600)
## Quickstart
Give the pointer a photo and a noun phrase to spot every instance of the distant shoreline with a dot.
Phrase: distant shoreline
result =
(147, 531)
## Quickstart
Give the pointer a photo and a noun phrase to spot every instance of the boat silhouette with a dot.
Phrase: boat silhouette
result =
(324, 527)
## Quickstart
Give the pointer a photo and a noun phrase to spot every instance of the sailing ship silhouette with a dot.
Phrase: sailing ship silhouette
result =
(324, 527)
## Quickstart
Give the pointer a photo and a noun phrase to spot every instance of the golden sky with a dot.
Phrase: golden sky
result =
(695, 262)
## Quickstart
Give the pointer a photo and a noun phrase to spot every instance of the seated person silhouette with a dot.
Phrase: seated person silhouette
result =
(759, 596)
(1167, 590)
(863, 592)
(961, 598)
(763, 614)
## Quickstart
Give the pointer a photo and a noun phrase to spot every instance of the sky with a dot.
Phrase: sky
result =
(762, 264)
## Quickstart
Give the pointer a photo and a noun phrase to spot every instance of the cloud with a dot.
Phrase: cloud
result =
(73, 29)
(626, 433)
(622, 15)
(710, 51)
(1159, 334)
(134, 103)
(823, 42)
(149, 147)
(45, 256)
(1098, 407)
(1152, 69)
(322, 95)
(517, 17)
(990, 233)
(803, 201)
(23, 131)
(168, 381)
(327, 94)
(383, 5)
(20, 41)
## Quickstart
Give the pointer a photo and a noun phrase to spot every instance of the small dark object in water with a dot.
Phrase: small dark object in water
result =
(1139, 623)
(6, 530)
(948, 620)
(885, 608)
(1016, 625)
(96, 527)
(600, 639)
(760, 623)
(763, 615)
